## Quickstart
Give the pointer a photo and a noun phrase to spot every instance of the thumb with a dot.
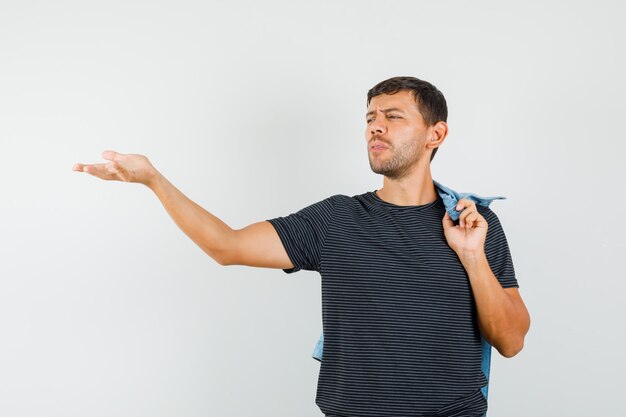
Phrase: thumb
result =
(447, 221)
(111, 155)
(119, 170)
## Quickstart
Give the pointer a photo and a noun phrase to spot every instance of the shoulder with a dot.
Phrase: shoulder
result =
(356, 203)
(494, 225)
(487, 213)
(343, 200)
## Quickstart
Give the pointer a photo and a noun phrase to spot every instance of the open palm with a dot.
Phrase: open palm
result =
(122, 167)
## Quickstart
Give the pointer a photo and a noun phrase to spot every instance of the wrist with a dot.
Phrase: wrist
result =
(154, 180)
(472, 258)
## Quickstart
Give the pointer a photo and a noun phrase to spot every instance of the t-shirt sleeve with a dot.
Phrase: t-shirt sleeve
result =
(497, 250)
(303, 232)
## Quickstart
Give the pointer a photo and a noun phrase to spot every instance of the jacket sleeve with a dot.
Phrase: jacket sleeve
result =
(497, 250)
(303, 232)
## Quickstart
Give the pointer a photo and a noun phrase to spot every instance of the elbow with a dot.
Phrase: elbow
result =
(511, 346)
(223, 260)
(220, 257)
(511, 350)
(508, 344)
(512, 342)
(225, 255)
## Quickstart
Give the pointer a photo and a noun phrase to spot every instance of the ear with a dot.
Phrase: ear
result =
(436, 135)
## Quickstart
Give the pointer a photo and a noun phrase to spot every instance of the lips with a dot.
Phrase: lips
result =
(378, 146)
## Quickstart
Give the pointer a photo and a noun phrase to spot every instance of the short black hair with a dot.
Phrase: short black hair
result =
(430, 101)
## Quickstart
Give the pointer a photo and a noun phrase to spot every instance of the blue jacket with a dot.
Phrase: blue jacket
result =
(450, 199)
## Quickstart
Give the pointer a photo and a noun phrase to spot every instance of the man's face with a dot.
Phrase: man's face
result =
(394, 122)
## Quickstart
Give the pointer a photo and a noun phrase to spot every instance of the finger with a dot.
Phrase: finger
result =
(463, 217)
(111, 155)
(475, 220)
(117, 170)
(470, 219)
(82, 168)
(464, 203)
(447, 221)
(481, 222)
(103, 171)
(466, 206)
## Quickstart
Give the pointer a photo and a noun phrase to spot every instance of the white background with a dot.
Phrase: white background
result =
(255, 110)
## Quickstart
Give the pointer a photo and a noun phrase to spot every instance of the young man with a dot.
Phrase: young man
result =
(406, 293)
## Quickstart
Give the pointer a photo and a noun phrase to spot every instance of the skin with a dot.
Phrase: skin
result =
(395, 121)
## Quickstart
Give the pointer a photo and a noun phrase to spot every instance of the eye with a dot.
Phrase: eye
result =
(393, 116)
(369, 121)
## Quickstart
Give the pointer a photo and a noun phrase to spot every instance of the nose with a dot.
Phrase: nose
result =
(378, 126)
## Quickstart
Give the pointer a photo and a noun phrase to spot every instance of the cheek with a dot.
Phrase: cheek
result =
(406, 135)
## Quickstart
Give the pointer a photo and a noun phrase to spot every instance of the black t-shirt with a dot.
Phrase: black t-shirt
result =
(401, 336)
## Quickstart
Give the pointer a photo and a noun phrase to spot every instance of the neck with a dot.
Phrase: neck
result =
(414, 189)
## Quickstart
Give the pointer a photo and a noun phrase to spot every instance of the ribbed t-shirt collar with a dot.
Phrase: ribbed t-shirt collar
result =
(372, 196)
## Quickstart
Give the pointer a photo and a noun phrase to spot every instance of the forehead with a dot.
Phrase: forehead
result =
(401, 100)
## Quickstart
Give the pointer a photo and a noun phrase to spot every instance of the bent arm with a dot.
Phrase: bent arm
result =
(255, 245)
(502, 316)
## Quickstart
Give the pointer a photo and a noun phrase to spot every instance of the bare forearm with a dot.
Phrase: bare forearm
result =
(502, 321)
(210, 233)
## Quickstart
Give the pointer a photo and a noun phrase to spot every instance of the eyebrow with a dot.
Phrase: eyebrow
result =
(369, 113)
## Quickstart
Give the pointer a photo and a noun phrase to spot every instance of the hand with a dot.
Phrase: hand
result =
(127, 168)
(468, 237)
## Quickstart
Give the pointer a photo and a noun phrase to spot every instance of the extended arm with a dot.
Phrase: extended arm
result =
(255, 245)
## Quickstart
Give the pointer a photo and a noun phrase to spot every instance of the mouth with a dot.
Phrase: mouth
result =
(378, 149)
(378, 146)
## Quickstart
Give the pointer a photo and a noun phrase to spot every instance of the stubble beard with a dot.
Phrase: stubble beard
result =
(399, 164)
